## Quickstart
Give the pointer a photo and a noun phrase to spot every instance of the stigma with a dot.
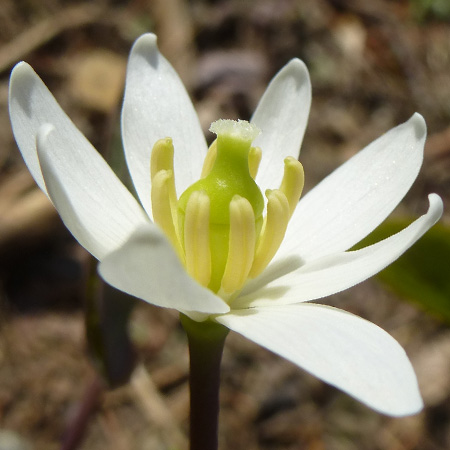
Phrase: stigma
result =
(217, 226)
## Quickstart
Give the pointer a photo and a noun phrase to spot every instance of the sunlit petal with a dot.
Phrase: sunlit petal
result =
(343, 350)
(93, 203)
(30, 106)
(281, 115)
(352, 201)
(334, 273)
(157, 106)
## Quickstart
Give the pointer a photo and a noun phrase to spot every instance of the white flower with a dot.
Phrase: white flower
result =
(313, 262)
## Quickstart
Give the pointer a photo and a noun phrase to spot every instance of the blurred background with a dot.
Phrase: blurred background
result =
(372, 64)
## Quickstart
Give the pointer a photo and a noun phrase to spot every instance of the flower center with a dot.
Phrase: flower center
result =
(217, 225)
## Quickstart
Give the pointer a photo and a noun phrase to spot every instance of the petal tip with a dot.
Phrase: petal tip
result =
(297, 63)
(419, 125)
(144, 48)
(43, 132)
(296, 67)
(22, 72)
(413, 408)
(436, 205)
(21, 67)
(146, 42)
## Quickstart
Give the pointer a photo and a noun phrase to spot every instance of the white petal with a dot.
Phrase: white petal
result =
(148, 268)
(282, 114)
(95, 206)
(343, 350)
(156, 106)
(334, 273)
(352, 201)
(31, 105)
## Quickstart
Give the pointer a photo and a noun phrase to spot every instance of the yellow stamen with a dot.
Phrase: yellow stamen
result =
(196, 237)
(162, 156)
(273, 230)
(241, 247)
(162, 159)
(162, 185)
(254, 158)
(209, 159)
(293, 182)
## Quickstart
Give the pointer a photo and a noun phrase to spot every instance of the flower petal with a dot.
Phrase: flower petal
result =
(156, 105)
(147, 267)
(341, 349)
(352, 201)
(282, 114)
(94, 205)
(31, 105)
(334, 273)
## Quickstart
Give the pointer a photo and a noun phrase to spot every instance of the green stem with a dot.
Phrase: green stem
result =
(206, 341)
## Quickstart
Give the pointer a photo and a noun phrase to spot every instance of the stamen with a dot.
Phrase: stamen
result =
(162, 156)
(196, 237)
(273, 230)
(162, 186)
(254, 158)
(162, 159)
(210, 158)
(293, 182)
(241, 247)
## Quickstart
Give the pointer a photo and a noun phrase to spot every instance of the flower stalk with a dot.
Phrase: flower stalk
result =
(206, 341)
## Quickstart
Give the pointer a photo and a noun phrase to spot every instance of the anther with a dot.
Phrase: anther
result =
(162, 160)
(293, 182)
(162, 156)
